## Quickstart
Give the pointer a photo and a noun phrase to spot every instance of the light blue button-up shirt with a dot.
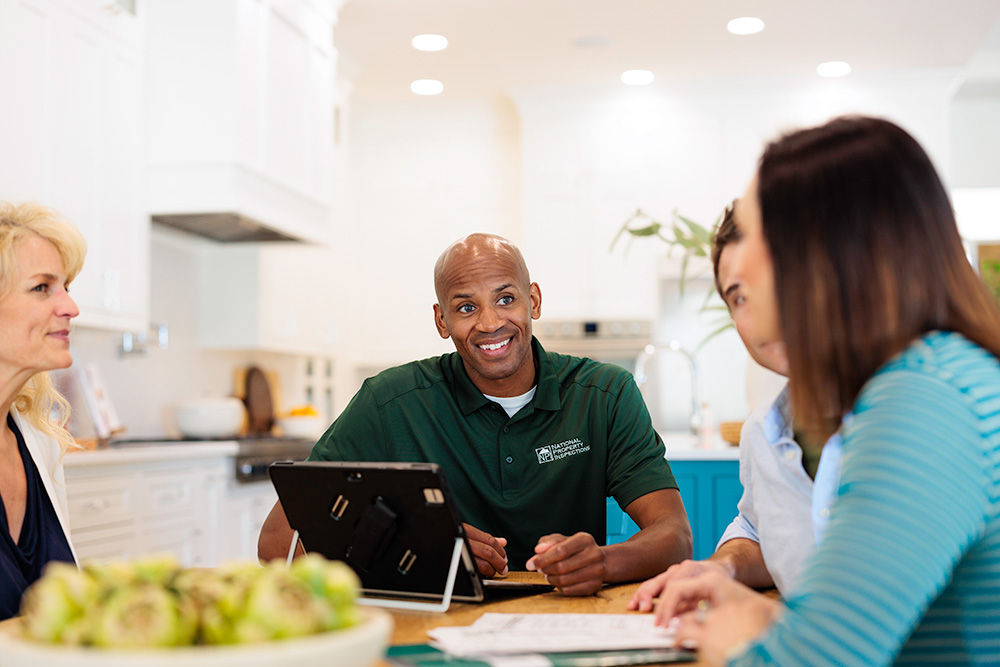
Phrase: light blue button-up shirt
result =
(781, 508)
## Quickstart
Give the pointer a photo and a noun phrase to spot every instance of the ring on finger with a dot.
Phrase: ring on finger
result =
(701, 611)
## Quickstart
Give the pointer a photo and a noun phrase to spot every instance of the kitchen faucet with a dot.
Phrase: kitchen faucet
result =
(696, 417)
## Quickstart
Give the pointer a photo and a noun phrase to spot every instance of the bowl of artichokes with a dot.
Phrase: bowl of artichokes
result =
(151, 613)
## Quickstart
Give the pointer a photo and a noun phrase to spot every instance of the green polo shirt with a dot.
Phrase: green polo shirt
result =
(585, 435)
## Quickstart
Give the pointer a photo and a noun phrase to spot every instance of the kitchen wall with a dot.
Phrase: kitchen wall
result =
(145, 387)
(558, 171)
(422, 175)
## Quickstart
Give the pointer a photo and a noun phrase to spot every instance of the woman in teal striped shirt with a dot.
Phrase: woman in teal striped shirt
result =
(853, 258)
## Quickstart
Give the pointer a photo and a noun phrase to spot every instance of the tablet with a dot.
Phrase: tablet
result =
(395, 524)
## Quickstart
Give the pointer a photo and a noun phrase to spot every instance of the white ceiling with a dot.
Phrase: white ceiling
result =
(498, 46)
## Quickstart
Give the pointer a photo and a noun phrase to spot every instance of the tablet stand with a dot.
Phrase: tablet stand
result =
(413, 605)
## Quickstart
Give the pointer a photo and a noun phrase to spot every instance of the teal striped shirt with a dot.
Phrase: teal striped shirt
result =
(909, 569)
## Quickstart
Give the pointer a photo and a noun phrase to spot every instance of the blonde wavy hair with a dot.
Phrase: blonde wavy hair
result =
(38, 399)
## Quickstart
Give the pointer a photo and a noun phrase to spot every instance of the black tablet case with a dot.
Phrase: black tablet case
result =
(395, 524)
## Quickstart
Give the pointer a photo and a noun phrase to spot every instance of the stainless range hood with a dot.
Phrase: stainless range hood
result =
(223, 227)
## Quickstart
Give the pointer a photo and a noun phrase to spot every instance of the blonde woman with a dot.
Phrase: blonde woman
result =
(40, 254)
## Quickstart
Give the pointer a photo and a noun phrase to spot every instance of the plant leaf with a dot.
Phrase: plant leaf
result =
(702, 236)
(714, 333)
(649, 230)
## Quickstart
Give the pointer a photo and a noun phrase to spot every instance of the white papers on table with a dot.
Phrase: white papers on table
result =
(551, 633)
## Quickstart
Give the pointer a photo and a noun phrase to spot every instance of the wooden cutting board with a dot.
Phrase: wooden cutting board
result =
(259, 390)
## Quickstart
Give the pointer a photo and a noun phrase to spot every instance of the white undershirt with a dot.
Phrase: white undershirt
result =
(511, 404)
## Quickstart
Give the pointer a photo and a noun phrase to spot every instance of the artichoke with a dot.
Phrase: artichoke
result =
(153, 602)
(333, 582)
(54, 607)
(143, 616)
(278, 606)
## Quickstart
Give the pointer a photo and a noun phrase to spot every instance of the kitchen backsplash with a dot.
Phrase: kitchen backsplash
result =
(144, 388)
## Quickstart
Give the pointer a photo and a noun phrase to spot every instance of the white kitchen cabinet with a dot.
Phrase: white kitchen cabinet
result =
(265, 297)
(73, 139)
(242, 113)
(178, 499)
(247, 505)
(126, 504)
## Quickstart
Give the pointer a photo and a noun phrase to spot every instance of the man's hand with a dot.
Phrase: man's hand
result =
(488, 551)
(643, 598)
(575, 565)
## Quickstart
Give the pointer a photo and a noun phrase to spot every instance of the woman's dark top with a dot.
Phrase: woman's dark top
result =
(41, 540)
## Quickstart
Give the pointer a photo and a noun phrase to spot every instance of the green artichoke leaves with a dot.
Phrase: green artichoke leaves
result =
(153, 602)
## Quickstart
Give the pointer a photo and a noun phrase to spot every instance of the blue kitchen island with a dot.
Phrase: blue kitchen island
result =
(709, 481)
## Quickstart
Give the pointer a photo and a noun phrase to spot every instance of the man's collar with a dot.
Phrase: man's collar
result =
(470, 398)
(547, 396)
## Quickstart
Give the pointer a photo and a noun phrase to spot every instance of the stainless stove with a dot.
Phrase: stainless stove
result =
(256, 454)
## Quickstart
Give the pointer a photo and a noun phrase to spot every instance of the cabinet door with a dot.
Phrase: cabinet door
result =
(182, 540)
(298, 111)
(620, 525)
(103, 545)
(27, 35)
(246, 508)
(76, 144)
(75, 131)
(126, 510)
(710, 491)
(100, 501)
(125, 225)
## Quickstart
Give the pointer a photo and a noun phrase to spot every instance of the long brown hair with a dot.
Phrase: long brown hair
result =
(867, 257)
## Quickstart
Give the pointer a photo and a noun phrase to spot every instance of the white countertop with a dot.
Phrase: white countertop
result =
(720, 454)
(168, 451)
(682, 446)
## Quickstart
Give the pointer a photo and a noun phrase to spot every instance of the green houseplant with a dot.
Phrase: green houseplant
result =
(692, 239)
(990, 273)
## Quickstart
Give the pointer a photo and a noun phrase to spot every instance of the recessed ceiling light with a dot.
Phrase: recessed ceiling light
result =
(430, 42)
(746, 25)
(637, 77)
(427, 86)
(833, 68)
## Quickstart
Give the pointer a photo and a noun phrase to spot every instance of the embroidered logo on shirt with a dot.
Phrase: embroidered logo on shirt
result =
(561, 450)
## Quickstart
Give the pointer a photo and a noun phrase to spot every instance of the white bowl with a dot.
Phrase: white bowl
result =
(210, 417)
(303, 426)
(359, 646)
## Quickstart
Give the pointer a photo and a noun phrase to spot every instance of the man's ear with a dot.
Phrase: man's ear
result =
(536, 301)
(439, 322)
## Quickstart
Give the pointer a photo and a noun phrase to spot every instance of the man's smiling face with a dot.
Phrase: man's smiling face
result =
(485, 305)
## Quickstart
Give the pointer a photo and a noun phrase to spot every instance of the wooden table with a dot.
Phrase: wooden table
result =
(412, 626)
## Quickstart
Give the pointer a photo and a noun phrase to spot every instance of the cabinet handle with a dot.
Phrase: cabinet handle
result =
(95, 506)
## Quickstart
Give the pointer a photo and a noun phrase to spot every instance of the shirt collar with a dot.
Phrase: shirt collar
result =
(778, 420)
(470, 399)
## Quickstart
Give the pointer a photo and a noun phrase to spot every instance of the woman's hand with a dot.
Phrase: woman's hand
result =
(716, 614)
(642, 599)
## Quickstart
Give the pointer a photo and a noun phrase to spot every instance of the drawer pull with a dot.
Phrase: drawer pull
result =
(96, 506)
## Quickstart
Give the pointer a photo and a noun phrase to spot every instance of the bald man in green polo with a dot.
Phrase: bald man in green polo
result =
(531, 442)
